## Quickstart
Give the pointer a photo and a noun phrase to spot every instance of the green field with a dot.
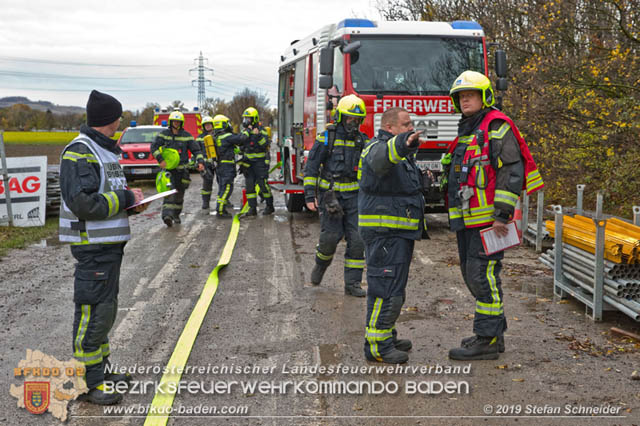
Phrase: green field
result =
(55, 138)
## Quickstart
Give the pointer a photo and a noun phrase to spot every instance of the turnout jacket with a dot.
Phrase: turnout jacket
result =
(390, 201)
(94, 191)
(339, 165)
(255, 146)
(182, 142)
(225, 144)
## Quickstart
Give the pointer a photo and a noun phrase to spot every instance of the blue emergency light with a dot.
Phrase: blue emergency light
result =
(357, 23)
(164, 123)
(465, 25)
(133, 123)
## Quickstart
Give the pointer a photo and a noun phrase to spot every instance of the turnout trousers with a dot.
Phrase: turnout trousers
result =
(333, 229)
(172, 205)
(257, 173)
(207, 180)
(481, 274)
(388, 261)
(226, 175)
(95, 294)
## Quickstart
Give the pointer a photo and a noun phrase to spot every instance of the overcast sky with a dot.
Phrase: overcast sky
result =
(141, 51)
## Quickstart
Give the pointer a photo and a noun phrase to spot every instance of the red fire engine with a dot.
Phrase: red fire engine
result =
(387, 64)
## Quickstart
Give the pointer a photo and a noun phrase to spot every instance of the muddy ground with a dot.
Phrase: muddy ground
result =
(266, 313)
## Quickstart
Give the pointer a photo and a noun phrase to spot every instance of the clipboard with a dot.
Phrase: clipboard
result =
(493, 244)
(153, 197)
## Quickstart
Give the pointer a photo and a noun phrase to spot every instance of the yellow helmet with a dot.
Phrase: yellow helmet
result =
(176, 116)
(252, 114)
(171, 157)
(352, 106)
(472, 80)
(206, 120)
(220, 122)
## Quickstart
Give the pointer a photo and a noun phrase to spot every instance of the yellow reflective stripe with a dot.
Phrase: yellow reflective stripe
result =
(340, 142)
(75, 156)
(393, 154)
(455, 213)
(373, 345)
(466, 139)
(176, 138)
(478, 220)
(228, 161)
(256, 155)
(499, 134)
(106, 350)
(87, 358)
(113, 201)
(495, 308)
(346, 186)
(378, 335)
(310, 181)
(534, 181)
(251, 195)
(506, 197)
(395, 222)
(262, 141)
(354, 263)
(323, 256)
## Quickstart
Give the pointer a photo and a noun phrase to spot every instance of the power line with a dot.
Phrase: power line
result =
(85, 64)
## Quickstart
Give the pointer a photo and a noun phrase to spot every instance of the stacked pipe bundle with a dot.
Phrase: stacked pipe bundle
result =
(622, 260)
(622, 239)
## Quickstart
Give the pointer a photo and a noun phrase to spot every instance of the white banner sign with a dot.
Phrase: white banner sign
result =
(28, 190)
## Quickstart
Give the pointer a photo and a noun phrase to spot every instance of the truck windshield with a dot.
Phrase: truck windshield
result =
(139, 136)
(413, 66)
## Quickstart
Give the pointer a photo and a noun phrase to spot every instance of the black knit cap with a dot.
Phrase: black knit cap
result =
(102, 109)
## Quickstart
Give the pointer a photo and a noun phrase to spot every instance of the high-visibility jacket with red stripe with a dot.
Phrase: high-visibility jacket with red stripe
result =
(478, 191)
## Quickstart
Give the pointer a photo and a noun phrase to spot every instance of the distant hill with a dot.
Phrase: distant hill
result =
(40, 105)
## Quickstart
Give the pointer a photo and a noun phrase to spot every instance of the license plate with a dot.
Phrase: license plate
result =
(430, 165)
(141, 171)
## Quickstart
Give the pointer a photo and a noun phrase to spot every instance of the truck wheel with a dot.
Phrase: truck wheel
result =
(294, 202)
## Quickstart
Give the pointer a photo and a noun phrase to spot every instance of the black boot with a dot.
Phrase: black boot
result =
(467, 340)
(224, 214)
(317, 273)
(98, 396)
(354, 289)
(394, 356)
(253, 211)
(268, 210)
(480, 348)
(205, 202)
(403, 345)
(168, 221)
(177, 219)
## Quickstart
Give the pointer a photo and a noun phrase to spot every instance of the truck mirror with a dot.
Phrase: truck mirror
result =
(326, 61)
(351, 47)
(501, 63)
(325, 82)
(502, 84)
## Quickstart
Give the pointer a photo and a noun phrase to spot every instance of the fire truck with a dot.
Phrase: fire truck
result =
(388, 64)
(192, 119)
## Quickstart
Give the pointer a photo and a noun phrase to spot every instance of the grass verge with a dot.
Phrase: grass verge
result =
(54, 138)
(19, 237)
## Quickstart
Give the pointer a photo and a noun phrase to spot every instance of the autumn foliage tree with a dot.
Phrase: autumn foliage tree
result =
(574, 86)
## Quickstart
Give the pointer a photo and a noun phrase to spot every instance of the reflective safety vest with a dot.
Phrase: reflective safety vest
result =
(111, 230)
(478, 190)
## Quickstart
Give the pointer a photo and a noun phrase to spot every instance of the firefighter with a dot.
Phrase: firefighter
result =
(331, 186)
(390, 219)
(488, 166)
(209, 165)
(175, 137)
(93, 219)
(226, 142)
(254, 164)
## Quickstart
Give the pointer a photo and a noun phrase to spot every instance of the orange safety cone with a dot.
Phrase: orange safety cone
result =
(517, 217)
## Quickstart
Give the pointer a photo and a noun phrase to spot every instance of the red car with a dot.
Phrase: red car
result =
(136, 160)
